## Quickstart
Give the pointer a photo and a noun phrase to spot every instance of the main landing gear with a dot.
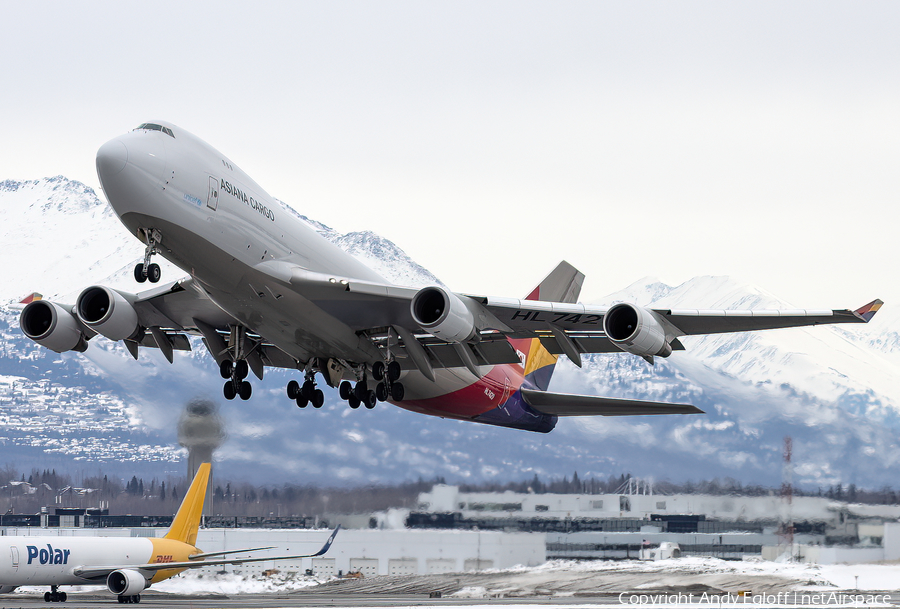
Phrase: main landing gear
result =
(235, 368)
(358, 394)
(307, 393)
(144, 270)
(55, 597)
(134, 598)
(235, 385)
(387, 376)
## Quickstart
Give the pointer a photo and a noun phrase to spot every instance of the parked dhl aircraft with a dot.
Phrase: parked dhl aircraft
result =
(128, 565)
(265, 289)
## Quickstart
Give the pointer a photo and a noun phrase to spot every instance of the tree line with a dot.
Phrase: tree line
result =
(27, 494)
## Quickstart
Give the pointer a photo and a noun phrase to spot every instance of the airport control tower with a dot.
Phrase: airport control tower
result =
(201, 431)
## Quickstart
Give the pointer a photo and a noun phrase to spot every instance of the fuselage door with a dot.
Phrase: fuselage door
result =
(15, 557)
(212, 199)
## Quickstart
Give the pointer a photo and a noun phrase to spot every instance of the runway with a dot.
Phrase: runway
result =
(683, 583)
(275, 601)
(374, 601)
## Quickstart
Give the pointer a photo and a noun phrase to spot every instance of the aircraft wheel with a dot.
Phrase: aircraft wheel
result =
(136, 598)
(46, 597)
(354, 401)
(360, 391)
(245, 390)
(308, 389)
(397, 392)
(139, 277)
(378, 371)
(346, 390)
(63, 597)
(371, 400)
(226, 368)
(228, 390)
(293, 389)
(318, 398)
(381, 392)
(301, 401)
(393, 371)
(241, 368)
(153, 273)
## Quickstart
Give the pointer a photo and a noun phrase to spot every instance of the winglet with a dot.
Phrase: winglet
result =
(329, 542)
(187, 520)
(18, 306)
(31, 298)
(868, 311)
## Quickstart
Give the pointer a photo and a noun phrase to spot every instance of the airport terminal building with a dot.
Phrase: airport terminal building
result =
(452, 531)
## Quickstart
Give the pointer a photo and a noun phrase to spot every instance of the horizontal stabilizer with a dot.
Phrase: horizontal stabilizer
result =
(566, 405)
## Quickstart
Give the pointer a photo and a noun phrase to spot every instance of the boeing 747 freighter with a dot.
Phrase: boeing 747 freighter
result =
(265, 290)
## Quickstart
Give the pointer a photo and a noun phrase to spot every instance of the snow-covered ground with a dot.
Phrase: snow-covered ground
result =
(655, 577)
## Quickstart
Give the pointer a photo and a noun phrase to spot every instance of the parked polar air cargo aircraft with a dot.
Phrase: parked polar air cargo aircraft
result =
(265, 289)
(128, 565)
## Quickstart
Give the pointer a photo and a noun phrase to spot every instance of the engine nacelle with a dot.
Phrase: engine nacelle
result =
(443, 314)
(636, 330)
(126, 582)
(107, 312)
(52, 326)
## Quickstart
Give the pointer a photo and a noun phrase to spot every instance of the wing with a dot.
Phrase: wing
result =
(433, 328)
(422, 329)
(99, 571)
(168, 314)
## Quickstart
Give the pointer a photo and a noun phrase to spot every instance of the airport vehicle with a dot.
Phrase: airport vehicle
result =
(265, 289)
(127, 565)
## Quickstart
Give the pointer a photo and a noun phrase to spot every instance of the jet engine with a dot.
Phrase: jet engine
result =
(126, 582)
(636, 330)
(443, 314)
(52, 326)
(107, 312)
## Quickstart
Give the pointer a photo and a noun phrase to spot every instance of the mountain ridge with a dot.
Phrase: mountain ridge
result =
(829, 388)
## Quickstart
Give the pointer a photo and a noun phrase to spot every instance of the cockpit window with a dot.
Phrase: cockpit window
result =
(155, 127)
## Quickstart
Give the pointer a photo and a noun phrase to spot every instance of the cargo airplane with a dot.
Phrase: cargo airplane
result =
(127, 565)
(264, 289)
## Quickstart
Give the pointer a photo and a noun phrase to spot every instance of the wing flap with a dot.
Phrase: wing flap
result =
(567, 405)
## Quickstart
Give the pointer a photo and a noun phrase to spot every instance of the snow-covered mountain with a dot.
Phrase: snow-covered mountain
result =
(831, 389)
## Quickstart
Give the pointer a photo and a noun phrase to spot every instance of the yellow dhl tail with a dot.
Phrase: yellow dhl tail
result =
(187, 520)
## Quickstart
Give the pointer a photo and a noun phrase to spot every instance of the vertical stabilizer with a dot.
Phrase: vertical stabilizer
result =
(187, 520)
(563, 284)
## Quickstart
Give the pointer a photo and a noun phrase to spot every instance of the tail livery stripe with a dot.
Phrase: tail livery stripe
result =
(868, 311)
(563, 284)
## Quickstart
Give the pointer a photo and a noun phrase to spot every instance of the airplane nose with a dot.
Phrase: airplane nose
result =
(111, 158)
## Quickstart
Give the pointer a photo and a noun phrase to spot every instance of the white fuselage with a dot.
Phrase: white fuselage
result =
(234, 239)
(44, 561)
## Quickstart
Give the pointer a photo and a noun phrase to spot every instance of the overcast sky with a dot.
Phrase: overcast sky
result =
(492, 139)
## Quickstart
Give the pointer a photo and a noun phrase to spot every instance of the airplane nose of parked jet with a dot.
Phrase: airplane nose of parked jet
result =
(111, 159)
